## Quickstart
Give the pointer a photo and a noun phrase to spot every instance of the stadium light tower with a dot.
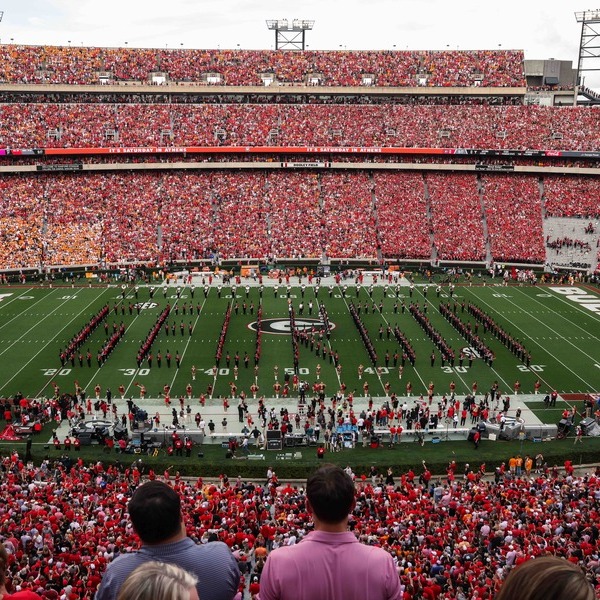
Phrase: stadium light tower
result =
(290, 36)
(589, 44)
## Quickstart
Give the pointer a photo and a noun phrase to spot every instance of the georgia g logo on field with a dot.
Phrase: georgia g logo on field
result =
(282, 326)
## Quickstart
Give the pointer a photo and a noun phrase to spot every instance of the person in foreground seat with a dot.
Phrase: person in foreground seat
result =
(155, 512)
(330, 563)
(159, 581)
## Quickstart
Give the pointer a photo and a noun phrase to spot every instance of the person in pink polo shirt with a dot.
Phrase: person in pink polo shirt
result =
(330, 563)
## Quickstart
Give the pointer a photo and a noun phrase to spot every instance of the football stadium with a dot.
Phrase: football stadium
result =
(222, 269)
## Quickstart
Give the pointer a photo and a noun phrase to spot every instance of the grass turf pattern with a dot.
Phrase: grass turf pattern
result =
(559, 327)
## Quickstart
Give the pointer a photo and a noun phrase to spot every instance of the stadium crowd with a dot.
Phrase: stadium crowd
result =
(572, 197)
(186, 207)
(402, 233)
(294, 224)
(513, 209)
(82, 125)
(20, 222)
(242, 208)
(83, 65)
(452, 537)
(456, 216)
(349, 222)
(117, 217)
(567, 243)
(456, 536)
(460, 533)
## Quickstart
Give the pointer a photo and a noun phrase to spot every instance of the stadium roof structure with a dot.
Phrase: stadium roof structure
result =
(589, 44)
(290, 36)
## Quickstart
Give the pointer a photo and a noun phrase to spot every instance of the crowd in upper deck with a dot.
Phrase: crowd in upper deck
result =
(398, 68)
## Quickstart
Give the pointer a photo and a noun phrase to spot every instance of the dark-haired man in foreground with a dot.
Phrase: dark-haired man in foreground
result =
(330, 563)
(155, 512)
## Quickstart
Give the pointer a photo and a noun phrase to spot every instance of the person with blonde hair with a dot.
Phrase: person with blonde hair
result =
(159, 581)
(546, 578)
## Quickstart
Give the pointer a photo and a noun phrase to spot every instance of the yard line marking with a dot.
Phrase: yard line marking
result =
(7, 348)
(375, 366)
(98, 369)
(329, 343)
(214, 385)
(45, 345)
(186, 345)
(570, 305)
(566, 339)
(18, 315)
(120, 301)
(591, 387)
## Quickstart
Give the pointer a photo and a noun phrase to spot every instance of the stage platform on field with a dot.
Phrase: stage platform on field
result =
(531, 427)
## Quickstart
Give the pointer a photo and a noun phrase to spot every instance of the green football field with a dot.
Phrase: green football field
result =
(560, 327)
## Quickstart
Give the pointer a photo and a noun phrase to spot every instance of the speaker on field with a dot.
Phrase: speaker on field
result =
(587, 424)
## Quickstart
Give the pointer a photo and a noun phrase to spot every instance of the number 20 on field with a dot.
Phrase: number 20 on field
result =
(53, 372)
